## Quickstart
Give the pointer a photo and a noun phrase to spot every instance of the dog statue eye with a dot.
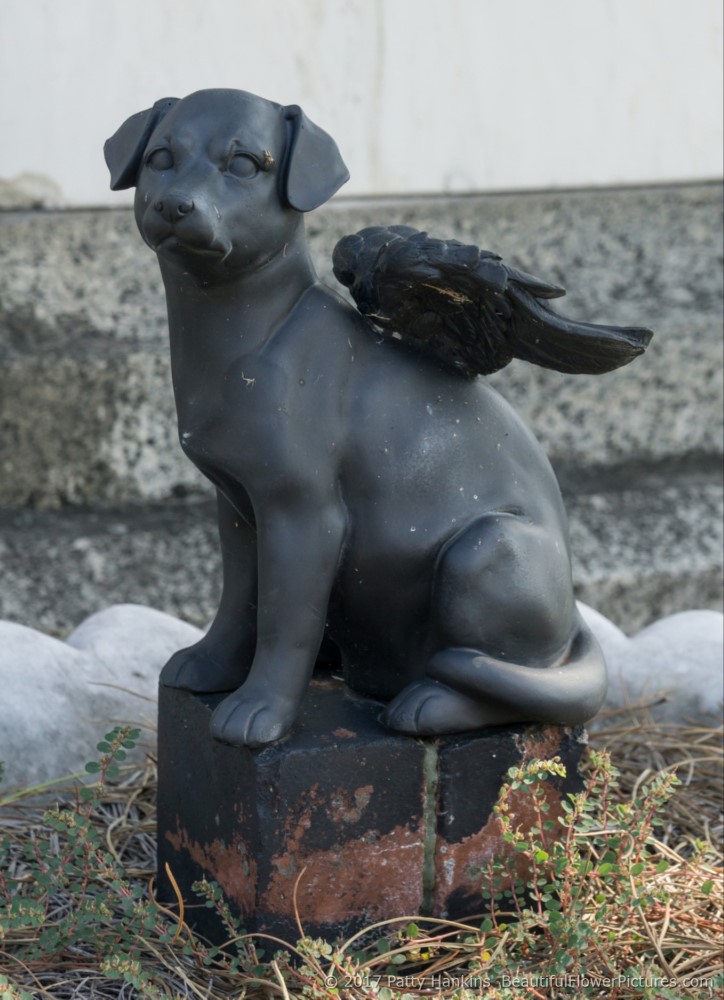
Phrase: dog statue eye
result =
(242, 165)
(160, 159)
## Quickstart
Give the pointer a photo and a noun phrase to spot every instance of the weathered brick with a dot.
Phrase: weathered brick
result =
(342, 821)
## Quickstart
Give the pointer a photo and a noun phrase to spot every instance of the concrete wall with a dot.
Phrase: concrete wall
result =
(86, 411)
(98, 504)
(470, 95)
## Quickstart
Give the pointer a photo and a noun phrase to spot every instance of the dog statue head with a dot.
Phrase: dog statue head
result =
(223, 176)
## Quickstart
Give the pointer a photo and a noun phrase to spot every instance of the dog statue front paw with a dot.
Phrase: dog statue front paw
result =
(248, 719)
(201, 669)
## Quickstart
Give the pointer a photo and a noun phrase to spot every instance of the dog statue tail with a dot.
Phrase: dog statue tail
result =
(469, 310)
(568, 692)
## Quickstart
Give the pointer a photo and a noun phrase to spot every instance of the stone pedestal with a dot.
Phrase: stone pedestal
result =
(364, 825)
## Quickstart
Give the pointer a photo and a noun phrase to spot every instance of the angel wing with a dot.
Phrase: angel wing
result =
(468, 309)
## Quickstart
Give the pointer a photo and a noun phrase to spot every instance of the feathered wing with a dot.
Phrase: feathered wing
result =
(468, 309)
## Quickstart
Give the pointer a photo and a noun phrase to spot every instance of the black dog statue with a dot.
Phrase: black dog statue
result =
(370, 484)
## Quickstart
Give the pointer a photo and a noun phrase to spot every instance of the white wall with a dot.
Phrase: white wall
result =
(421, 95)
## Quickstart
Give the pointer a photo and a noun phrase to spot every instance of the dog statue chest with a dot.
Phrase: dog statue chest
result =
(217, 369)
(238, 416)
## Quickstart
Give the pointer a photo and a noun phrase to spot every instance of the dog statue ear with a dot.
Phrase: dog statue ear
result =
(123, 151)
(314, 168)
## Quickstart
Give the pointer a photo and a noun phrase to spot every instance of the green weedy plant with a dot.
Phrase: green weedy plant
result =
(568, 919)
(586, 875)
(70, 892)
(587, 879)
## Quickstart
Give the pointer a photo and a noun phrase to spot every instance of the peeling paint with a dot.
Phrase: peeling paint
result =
(460, 866)
(228, 864)
(350, 833)
(344, 808)
(348, 880)
(541, 742)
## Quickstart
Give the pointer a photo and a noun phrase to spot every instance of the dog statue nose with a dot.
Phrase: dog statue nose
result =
(174, 207)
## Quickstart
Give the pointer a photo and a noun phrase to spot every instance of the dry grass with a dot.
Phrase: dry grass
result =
(687, 930)
(682, 933)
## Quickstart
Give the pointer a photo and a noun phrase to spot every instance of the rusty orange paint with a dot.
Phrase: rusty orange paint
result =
(348, 808)
(460, 866)
(541, 742)
(372, 875)
(228, 864)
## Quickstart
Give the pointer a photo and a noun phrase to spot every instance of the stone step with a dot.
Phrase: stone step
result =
(640, 553)
(86, 413)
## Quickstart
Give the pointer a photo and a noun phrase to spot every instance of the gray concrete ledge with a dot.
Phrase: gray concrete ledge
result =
(86, 414)
(639, 554)
(98, 505)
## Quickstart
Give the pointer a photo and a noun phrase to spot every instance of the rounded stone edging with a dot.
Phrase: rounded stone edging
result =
(60, 697)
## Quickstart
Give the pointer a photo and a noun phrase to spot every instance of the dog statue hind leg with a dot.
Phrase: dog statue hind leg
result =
(513, 647)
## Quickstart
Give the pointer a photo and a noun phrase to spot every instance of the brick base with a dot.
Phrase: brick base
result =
(362, 824)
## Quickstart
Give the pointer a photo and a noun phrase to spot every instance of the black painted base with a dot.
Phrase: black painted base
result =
(343, 819)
